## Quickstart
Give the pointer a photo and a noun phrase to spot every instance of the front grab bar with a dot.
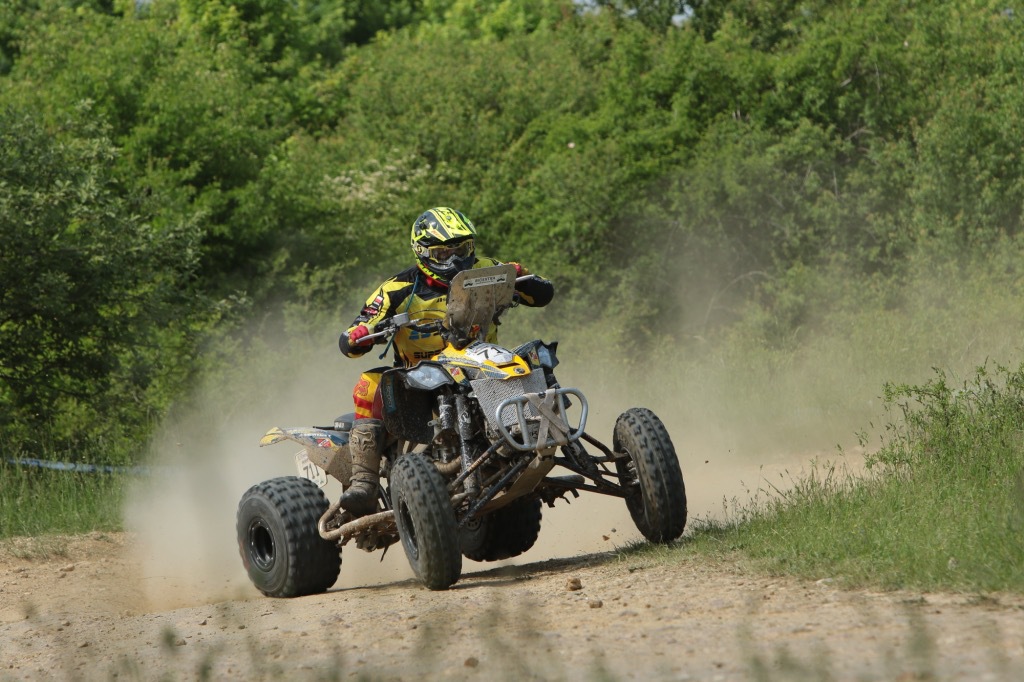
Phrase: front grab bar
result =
(553, 429)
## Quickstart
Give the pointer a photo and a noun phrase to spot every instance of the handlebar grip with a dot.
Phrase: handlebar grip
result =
(376, 335)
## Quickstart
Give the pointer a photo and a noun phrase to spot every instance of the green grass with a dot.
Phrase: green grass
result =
(942, 505)
(36, 502)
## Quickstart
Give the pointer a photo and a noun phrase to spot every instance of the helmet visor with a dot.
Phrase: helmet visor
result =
(444, 252)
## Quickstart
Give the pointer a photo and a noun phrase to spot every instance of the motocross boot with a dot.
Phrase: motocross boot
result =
(366, 440)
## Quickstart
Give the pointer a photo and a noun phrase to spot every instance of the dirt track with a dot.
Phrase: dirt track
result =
(92, 614)
(170, 600)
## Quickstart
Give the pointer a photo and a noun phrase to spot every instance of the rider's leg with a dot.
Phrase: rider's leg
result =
(364, 392)
(366, 439)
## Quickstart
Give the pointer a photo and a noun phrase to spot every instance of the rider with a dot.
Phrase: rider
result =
(443, 242)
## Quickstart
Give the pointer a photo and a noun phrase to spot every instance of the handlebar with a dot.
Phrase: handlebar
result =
(401, 320)
(397, 322)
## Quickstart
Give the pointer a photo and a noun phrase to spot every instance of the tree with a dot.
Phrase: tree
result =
(90, 289)
(655, 14)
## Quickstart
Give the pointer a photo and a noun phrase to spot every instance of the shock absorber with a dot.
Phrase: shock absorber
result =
(465, 428)
(446, 431)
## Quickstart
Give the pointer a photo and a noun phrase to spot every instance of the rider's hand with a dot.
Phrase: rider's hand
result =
(520, 270)
(355, 337)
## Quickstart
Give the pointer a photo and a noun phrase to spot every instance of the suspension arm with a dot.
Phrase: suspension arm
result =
(493, 490)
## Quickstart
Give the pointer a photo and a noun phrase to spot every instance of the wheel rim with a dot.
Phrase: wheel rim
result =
(409, 536)
(261, 545)
(471, 528)
(472, 533)
(628, 476)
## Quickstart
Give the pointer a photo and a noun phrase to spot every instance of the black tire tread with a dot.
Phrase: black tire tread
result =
(659, 511)
(417, 485)
(509, 531)
(312, 563)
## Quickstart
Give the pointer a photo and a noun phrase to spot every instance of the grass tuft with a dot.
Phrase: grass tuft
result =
(36, 502)
(940, 506)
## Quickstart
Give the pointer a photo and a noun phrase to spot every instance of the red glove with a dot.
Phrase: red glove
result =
(520, 270)
(358, 333)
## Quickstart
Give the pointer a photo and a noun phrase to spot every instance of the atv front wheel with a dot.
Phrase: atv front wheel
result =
(426, 521)
(504, 533)
(281, 548)
(658, 502)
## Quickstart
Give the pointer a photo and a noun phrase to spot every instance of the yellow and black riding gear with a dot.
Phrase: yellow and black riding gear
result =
(443, 241)
(424, 298)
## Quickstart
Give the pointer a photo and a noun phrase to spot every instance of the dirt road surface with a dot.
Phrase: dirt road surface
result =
(169, 600)
(88, 608)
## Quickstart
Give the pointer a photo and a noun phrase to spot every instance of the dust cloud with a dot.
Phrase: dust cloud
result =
(183, 515)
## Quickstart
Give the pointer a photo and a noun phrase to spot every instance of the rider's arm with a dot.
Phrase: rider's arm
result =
(534, 292)
(377, 309)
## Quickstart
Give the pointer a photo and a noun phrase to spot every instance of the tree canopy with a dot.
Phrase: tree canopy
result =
(170, 166)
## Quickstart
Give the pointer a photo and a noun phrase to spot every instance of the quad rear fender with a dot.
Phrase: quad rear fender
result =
(327, 448)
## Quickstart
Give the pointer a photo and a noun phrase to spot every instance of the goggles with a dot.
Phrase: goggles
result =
(443, 252)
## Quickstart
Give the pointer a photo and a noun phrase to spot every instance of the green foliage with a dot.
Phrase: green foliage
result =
(655, 14)
(490, 20)
(698, 179)
(756, 136)
(12, 19)
(86, 281)
(771, 23)
(290, 34)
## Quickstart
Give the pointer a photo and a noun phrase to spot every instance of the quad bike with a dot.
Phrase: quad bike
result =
(473, 435)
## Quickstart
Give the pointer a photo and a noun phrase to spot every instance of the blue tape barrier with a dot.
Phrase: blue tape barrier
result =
(80, 468)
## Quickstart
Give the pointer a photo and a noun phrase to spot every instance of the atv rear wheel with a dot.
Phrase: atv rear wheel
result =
(281, 548)
(426, 521)
(504, 533)
(658, 503)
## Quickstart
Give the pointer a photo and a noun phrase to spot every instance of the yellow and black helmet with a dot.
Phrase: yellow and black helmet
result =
(442, 239)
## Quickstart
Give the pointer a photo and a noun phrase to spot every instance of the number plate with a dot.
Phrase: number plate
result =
(309, 470)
